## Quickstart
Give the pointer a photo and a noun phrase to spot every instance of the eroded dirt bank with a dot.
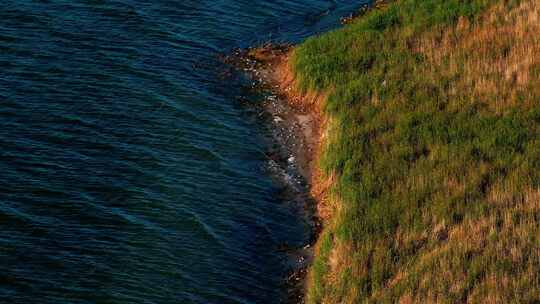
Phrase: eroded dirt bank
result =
(299, 128)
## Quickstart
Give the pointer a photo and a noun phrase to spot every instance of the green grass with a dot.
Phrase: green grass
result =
(437, 160)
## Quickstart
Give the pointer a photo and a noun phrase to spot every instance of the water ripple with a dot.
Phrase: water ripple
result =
(128, 173)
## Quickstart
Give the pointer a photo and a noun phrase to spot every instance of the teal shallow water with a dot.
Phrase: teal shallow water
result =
(130, 170)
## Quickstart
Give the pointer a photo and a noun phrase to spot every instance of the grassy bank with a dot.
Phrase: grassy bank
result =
(434, 150)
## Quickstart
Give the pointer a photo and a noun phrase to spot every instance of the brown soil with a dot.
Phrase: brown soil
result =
(270, 67)
(308, 109)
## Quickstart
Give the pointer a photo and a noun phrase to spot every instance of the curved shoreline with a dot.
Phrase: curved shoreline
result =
(299, 115)
(391, 140)
(306, 112)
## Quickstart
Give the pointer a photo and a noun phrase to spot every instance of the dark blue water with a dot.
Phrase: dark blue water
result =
(129, 170)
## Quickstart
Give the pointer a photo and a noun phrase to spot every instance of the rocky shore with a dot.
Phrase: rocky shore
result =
(296, 124)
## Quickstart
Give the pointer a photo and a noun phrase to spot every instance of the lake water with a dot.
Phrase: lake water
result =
(131, 170)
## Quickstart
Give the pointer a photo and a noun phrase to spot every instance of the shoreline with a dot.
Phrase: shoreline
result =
(298, 116)
(399, 210)
(307, 114)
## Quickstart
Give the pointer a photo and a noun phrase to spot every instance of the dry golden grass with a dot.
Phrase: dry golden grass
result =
(496, 59)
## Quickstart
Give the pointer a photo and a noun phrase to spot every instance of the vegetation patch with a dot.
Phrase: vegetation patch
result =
(434, 150)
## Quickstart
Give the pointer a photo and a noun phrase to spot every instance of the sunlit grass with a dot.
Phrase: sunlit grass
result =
(435, 149)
